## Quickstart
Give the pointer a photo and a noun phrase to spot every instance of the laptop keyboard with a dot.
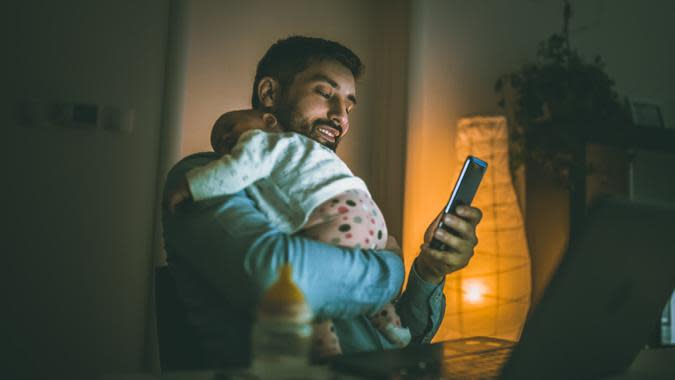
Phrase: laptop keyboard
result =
(467, 358)
(480, 365)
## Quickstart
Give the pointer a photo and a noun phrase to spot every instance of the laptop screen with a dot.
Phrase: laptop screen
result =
(665, 334)
(605, 297)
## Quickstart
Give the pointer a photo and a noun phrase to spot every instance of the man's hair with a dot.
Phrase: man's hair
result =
(290, 56)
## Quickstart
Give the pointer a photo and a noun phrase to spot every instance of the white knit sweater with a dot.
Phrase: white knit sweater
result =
(290, 173)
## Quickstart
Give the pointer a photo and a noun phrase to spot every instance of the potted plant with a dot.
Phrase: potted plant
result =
(553, 101)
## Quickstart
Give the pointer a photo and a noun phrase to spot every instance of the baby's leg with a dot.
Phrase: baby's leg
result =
(324, 340)
(352, 219)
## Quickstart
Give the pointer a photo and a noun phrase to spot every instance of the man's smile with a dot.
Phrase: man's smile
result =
(329, 134)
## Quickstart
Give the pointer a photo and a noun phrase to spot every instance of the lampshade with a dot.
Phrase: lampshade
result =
(491, 296)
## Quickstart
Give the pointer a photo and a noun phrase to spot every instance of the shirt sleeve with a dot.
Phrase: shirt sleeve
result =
(254, 157)
(230, 243)
(421, 307)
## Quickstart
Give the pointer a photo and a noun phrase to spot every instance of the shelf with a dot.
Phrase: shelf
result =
(647, 138)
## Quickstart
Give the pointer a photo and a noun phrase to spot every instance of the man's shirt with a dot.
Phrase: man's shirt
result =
(223, 254)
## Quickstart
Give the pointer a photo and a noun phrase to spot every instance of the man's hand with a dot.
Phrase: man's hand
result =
(433, 265)
(392, 245)
(179, 195)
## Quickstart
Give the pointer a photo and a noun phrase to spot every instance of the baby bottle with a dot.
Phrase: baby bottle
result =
(283, 329)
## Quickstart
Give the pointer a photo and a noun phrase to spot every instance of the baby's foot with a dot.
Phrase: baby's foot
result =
(398, 336)
(325, 342)
(388, 323)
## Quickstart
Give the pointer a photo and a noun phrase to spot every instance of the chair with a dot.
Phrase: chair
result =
(179, 349)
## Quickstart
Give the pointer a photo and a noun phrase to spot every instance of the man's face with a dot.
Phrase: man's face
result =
(318, 102)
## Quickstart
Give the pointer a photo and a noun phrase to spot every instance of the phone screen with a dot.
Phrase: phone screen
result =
(462, 194)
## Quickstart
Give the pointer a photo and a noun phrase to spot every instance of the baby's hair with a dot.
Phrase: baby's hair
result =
(219, 128)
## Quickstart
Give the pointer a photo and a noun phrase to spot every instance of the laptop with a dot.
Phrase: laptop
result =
(597, 313)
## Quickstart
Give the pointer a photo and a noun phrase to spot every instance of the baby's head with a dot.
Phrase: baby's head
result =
(231, 125)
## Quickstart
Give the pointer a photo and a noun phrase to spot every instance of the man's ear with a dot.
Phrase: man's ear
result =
(268, 92)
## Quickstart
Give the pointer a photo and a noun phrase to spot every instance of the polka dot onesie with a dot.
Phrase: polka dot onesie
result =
(352, 219)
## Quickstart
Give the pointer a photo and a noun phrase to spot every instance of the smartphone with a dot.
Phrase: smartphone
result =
(465, 189)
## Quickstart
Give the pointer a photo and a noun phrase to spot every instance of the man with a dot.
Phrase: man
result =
(223, 253)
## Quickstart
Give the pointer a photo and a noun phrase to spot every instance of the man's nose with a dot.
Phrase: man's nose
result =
(338, 114)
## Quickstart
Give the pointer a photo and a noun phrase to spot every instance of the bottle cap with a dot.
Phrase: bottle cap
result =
(284, 297)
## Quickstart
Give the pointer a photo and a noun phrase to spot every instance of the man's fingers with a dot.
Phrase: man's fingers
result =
(428, 234)
(174, 200)
(456, 243)
(461, 242)
(463, 228)
(474, 215)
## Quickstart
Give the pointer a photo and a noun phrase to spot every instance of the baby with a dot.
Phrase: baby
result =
(302, 187)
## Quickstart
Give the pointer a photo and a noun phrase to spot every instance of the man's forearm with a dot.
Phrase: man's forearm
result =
(427, 273)
(337, 282)
(421, 307)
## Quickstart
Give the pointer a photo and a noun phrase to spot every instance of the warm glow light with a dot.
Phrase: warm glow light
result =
(491, 296)
(473, 292)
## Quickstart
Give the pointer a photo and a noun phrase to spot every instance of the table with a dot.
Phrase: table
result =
(650, 364)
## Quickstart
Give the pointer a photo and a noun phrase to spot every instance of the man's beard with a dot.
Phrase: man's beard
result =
(293, 121)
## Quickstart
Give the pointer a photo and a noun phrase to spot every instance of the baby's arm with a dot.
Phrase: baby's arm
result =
(255, 156)
(178, 195)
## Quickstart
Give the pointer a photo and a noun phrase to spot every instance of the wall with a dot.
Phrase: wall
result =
(80, 253)
(227, 38)
(79, 204)
(633, 40)
(459, 49)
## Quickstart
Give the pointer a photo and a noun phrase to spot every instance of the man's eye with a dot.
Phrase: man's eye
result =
(323, 93)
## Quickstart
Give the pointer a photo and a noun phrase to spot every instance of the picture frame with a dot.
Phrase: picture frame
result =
(645, 113)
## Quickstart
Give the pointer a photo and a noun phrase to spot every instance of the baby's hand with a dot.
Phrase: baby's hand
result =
(392, 245)
(178, 195)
